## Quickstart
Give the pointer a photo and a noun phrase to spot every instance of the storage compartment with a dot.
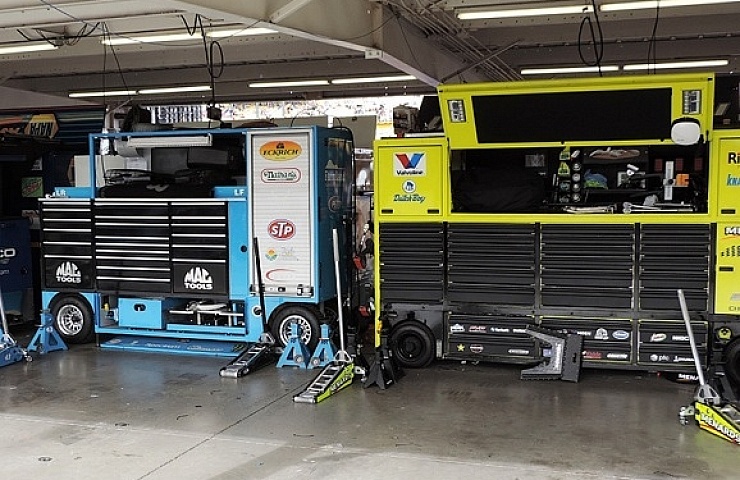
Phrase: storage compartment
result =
(143, 313)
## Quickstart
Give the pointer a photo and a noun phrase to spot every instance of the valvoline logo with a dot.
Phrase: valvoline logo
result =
(281, 229)
(280, 150)
(409, 164)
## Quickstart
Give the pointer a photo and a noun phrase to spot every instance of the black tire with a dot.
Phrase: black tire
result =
(412, 344)
(307, 318)
(73, 319)
(732, 363)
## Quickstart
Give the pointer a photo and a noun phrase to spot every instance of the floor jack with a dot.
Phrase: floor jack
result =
(259, 354)
(10, 351)
(564, 362)
(711, 412)
(340, 372)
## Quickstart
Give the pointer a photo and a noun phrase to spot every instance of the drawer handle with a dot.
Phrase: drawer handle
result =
(387, 211)
(726, 269)
(728, 211)
(139, 307)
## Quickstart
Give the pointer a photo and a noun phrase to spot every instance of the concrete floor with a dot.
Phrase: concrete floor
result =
(94, 414)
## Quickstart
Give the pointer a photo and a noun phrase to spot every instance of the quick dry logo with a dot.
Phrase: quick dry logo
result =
(281, 229)
(408, 165)
(198, 278)
(281, 175)
(68, 272)
(280, 150)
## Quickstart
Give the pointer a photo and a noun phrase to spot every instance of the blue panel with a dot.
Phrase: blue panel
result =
(174, 345)
(238, 250)
(15, 255)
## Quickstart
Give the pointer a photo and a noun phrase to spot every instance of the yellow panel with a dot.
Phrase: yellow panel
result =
(727, 293)
(409, 178)
(728, 184)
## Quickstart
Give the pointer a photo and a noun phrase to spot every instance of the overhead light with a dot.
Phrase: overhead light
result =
(111, 93)
(669, 65)
(394, 78)
(470, 14)
(244, 32)
(194, 88)
(550, 70)
(27, 47)
(171, 141)
(294, 83)
(180, 37)
(641, 5)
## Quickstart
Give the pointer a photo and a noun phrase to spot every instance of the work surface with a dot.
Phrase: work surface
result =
(93, 414)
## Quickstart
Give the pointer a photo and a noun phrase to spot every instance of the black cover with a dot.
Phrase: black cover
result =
(498, 190)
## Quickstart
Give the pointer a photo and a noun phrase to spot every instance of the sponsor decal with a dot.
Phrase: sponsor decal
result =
(499, 330)
(476, 349)
(32, 187)
(7, 252)
(658, 337)
(724, 333)
(601, 334)
(617, 356)
(281, 229)
(620, 335)
(477, 329)
(659, 358)
(733, 180)
(518, 351)
(280, 150)
(679, 359)
(680, 338)
(413, 197)
(405, 164)
(733, 158)
(688, 377)
(732, 231)
(460, 347)
(280, 275)
(345, 377)
(457, 328)
(271, 254)
(712, 422)
(592, 355)
(43, 125)
(519, 330)
(68, 272)
(198, 278)
(280, 175)
(584, 333)
(408, 186)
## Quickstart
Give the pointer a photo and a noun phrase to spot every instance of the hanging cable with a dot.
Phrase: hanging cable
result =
(652, 46)
(597, 38)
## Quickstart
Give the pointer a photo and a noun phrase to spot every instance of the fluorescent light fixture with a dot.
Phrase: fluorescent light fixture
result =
(296, 83)
(168, 141)
(194, 88)
(28, 47)
(111, 93)
(393, 78)
(244, 32)
(550, 70)
(470, 14)
(641, 5)
(179, 37)
(174, 37)
(669, 65)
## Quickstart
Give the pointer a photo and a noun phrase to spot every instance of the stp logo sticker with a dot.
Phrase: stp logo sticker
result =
(280, 150)
(281, 229)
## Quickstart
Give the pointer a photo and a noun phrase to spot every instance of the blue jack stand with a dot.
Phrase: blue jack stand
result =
(295, 353)
(10, 352)
(46, 338)
(325, 350)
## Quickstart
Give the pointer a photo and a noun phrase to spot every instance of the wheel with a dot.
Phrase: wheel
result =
(732, 363)
(412, 343)
(307, 319)
(73, 319)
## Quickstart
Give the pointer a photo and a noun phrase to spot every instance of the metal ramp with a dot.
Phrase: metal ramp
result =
(256, 356)
(565, 361)
(335, 376)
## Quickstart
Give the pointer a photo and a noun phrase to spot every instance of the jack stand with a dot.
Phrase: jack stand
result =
(295, 353)
(10, 352)
(46, 339)
(354, 349)
(384, 370)
(712, 413)
(325, 350)
(256, 356)
(565, 361)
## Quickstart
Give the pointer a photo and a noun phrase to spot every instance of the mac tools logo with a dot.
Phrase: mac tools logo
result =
(198, 278)
(409, 165)
(68, 272)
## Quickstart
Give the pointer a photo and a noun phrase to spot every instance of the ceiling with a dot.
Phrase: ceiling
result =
(334, 39)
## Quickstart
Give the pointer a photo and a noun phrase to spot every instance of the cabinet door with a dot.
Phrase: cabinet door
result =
(727, 292)
(409, 180)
